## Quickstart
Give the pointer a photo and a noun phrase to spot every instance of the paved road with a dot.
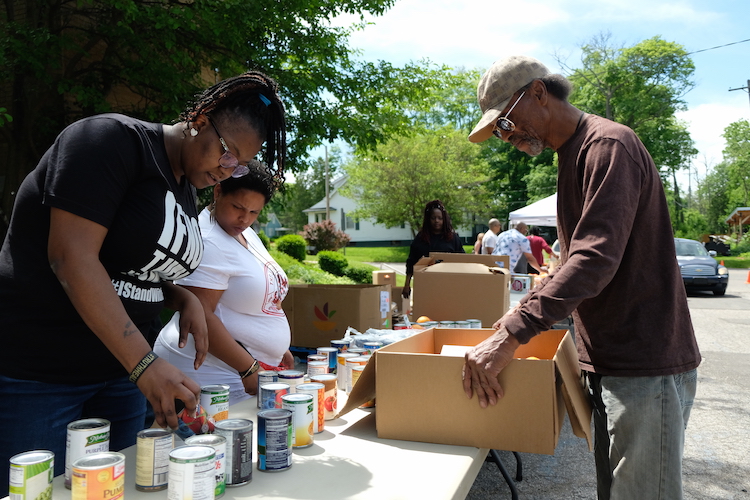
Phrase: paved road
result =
(718, 435)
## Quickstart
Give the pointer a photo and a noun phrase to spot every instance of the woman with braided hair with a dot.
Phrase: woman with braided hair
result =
(100, 229)
(435, 235)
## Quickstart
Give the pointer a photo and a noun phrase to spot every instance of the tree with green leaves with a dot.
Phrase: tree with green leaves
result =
(393, 184)
(737, 158)
(642, 87)
(62, 61)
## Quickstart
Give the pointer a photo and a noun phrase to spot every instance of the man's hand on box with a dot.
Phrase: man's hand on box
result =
(484, 362)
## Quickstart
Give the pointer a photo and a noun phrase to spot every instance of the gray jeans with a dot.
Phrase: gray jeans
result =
(639, 430)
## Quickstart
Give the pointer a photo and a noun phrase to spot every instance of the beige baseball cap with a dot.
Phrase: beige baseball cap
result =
(498, 85)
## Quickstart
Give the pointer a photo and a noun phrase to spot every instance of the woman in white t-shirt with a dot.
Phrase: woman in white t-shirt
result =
(241, 288)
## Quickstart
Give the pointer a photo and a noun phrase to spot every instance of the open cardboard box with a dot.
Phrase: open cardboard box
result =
(458, 290)
(420, 397)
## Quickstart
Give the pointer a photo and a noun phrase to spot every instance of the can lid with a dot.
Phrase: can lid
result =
(274, 386)
(274, 413)
(310, 386)
(233, 423)
(324, 376)
(153, 433)
(31, 457)
(192, 452)
(98, 460)
(214, 388)
(291, 374)
(297, 398)
(88, 423)
(207, 439)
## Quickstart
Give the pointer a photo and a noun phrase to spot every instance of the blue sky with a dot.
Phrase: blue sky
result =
(475, 33)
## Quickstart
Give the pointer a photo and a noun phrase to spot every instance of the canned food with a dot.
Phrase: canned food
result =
(400, 326)
(356, 350)
(329, 380)
(341, 345)
(152, 447)
(85, 437)
(474, 323)
(291, 377)
(317, 367)
(371, 346)
(351, 362)
(274, 440)
(330, 353)
(239, 462)
(265, 377)
(270, 395)
(215, 400)
(341, 367)
(301, 406)
(318, 392)
(447, 324)
(430, 324)
(462, 324)
(100, 476)
(191, 473)
(219, 444)
(31, 475)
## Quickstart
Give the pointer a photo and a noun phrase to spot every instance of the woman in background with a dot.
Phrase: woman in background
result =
(241, 288)
(435, 235)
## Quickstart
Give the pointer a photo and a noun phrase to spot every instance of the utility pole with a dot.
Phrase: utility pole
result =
(328, 198)
(747, 89)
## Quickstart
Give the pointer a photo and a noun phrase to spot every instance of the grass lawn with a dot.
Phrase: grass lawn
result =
(735, 262)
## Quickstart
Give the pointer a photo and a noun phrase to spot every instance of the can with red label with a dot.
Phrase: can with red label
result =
(270, 395)
(329, 380)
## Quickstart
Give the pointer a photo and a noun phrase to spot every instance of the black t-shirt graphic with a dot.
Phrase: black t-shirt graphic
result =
(113, 170)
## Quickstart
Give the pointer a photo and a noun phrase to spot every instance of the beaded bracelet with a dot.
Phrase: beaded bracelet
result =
(142, 365)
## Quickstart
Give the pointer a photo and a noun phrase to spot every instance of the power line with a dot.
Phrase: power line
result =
(718, 46)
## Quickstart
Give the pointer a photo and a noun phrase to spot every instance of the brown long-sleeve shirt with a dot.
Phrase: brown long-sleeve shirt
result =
(619, 278)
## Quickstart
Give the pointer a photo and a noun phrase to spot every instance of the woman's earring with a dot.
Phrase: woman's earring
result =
(193, 132)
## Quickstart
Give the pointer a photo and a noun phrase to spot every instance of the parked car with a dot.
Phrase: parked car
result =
(699, 269)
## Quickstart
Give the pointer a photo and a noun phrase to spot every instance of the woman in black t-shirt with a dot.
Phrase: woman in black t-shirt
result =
(436, 235)
(99, 230)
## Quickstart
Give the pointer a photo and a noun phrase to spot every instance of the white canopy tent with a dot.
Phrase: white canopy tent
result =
(539, 213)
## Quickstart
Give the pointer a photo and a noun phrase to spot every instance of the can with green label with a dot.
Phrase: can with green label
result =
(31, 475)
(85, 437)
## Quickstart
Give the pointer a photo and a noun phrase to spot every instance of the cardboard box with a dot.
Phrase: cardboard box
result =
(488, 260)
(318, 314)
(456, 291)
(384, 278)
(420, 397)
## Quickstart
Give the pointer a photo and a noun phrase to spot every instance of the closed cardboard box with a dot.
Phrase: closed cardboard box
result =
(420, 397)
(318, 314)
(488, 260)
(457, 291)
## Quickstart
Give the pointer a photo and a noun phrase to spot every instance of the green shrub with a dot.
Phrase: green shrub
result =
(325, 236)
(294, 245)
(332, 262)
(360, 273)
(264, 239)
(299, 272)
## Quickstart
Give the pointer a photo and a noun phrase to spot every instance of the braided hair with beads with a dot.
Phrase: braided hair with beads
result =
(251, 97)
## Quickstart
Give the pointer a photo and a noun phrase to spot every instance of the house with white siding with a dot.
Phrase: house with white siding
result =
(364, 232)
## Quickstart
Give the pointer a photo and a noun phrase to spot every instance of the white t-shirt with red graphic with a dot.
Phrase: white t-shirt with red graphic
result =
(250, 307)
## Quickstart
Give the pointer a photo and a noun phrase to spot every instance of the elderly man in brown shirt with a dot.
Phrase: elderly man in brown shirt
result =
(619, 279)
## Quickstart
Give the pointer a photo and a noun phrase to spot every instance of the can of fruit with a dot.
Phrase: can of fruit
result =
(301, 406)
(239, 462)
(474, 323)
(152, 447)
(100, 476)
(270, 395)
(318, 392)
(274, 440)
(219, 444)
(85, 437)
(265, 377)
(329, 380)
(215, 400)
(31, 475)
(291, 377)
(191, 473)
(330, 353)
